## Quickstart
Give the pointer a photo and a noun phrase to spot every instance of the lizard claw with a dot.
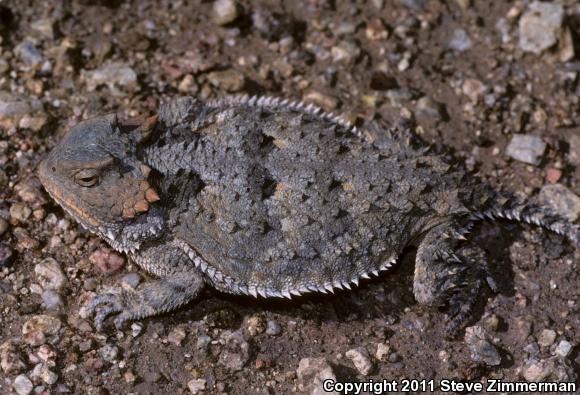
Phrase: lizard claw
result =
(120, 320)
(104, 305)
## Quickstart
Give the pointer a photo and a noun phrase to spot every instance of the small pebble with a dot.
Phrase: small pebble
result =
(202, 342)
(236, 352)
(136, 329)
(563, 349)
(11, 361)
(551, 369)
(176, 336)
(481, 349)
(48, 376)
(345, 52)
(311, 373)
(44, 26)
(394, 357)
(473, 89)
(325, 101)
(109, 352)
(107, 260)
(51, 300)
(129, 377)
(491, 323)
(345, 28)
(28, 53)
(42, 323)
(460, 41)
(523, 328)
(50, 275)
(14, 107)
(197, 386)
(361, 360)
(376, 30)
(539, 26)
(464, 4)
(561, 200)
(225, 11)
(256, 325)
(114, 75)
(573, 151)
(553, 175)
(547, 337)
(22, 385)
(46, 352)
(273, 328)
(35, 338)
(229, 80)
(532, 349)
(414, 4)
(430, 108)
(526, 148)
(20, 212)
(383, 351)
(86, 346)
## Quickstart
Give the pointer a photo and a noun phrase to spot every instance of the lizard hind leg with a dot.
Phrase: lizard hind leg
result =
(447, 272)
(179, 282)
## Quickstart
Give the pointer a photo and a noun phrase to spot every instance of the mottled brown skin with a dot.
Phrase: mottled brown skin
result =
(272, 198)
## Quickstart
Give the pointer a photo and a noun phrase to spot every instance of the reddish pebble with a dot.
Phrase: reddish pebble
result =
(106, 260)
(553, 175)
(176, 336)
(45, 352)
(35, 338)
(263, 363)
(93, 365)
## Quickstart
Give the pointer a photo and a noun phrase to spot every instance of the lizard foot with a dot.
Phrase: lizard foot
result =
(102, 306)
(151, 298)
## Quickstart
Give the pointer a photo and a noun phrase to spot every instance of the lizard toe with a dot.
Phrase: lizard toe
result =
(121, 319)
(102, 306)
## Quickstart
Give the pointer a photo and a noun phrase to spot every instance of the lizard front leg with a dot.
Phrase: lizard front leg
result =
(179, 282)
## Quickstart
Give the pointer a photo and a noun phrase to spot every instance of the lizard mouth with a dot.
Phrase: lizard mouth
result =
(70, 206)
(69, 203)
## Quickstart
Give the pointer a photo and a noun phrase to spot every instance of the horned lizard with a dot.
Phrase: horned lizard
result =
(273, 198)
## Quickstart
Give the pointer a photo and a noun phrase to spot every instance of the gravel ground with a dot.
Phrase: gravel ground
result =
(495, 81)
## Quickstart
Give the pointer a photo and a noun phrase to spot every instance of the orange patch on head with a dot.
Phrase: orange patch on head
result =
(143, 185)
(70, 203)
(129, 213)
(145, 170)
(141, 206)
(151, 195)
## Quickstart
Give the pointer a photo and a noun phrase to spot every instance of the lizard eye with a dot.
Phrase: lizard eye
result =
(87, 177)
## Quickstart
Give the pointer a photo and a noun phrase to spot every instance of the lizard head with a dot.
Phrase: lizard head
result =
(95, 175)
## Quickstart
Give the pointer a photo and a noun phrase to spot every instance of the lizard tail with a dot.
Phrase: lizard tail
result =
(529, 213)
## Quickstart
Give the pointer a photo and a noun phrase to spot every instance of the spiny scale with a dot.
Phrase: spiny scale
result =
(218, 278)
(276, 102)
